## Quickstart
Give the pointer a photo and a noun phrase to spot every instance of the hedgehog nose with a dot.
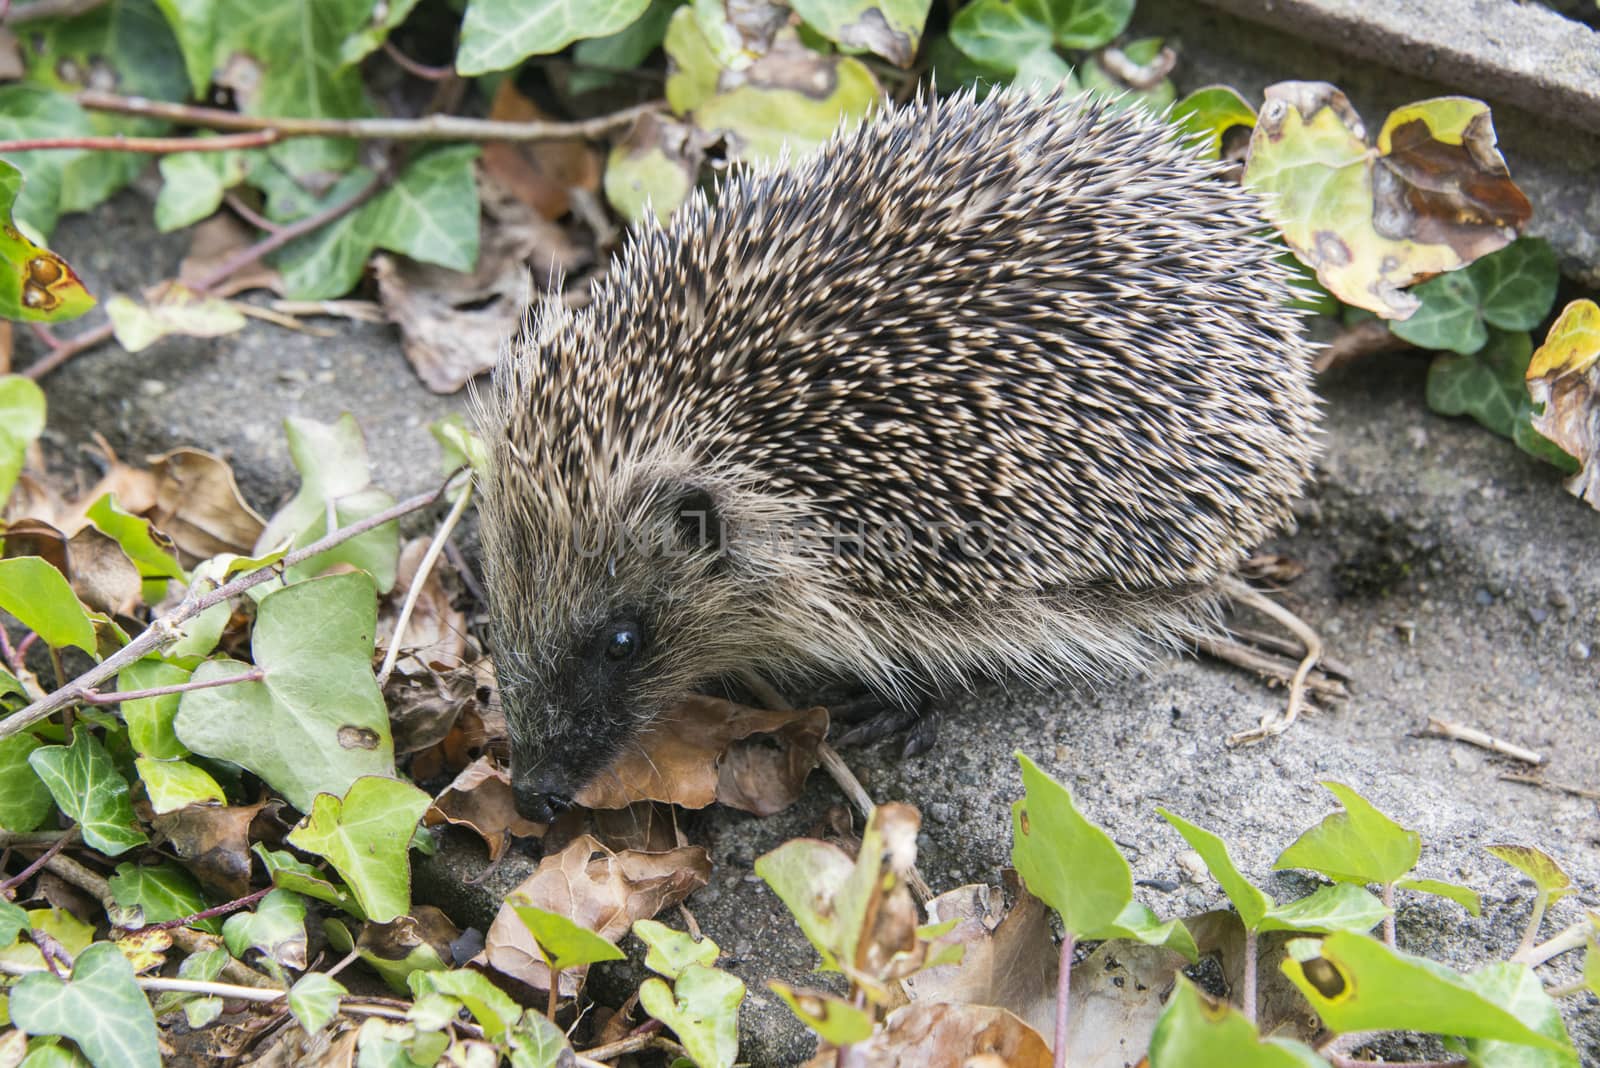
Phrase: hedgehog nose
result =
(534, 802)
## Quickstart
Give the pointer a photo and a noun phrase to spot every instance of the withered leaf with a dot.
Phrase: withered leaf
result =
(598, 889)
(706, 750)
(198, 505)
(480, 800)
(1564, 377)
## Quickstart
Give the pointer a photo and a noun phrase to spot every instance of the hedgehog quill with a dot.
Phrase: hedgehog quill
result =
(982, 388)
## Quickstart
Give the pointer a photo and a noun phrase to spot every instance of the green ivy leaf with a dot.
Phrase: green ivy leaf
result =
(40, 598)
(364, 835)
(1537, 865)
(314, 1001)
(1252, 903)
(127, 43)
(499, 34)
(87, 787)
(152, 551)
(1356, 983)
(101, 1008)
(1359, 845)
(1512, 289)
(1066, 861)
(834, 1019)
(276, 929)
(26, 112)
(430, 213)
(889, 28)
(1515, 988)
(1340, 907)
(492, 1007)
(564, 943)
(1208, 114)
(670, 951)
(13, 921)
(1194, 1031)
(1461, 895)
(289, 872)
(536, 1042)
(25, 800)
(702, 1009)
(159, 893)
(292, 49)
(192, 23)
(316, 722)
(203, 966)
(1137, 923)
(1000, 33)
(622, 51)
(175, 784)
(1487, 385)
(150, 719)
(359, 46)
(21, 416)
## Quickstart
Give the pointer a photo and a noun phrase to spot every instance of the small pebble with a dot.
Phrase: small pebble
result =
(1538, 615)
(152, 387)
(1483, 597)
(941, 812)
(1192, 866)
(1579, 650)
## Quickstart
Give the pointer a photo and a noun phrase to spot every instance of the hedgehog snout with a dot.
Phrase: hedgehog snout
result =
(541, 797)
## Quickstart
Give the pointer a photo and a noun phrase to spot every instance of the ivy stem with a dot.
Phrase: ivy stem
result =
(153, 145)
(165, 628)
(95, 697)
(428, 128)
(1540, 901)
(1568, 939)
(1063, 992)
(67, 837)
(1247, 985)
(424, 569)
(555, 993)
(1388, 920)
(206, 914)
(414, 68)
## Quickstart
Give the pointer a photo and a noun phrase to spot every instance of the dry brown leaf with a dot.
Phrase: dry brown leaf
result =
(436, 635)
(100, 573)
(214, 842)
(649, 827)
(539, 173)
(947, 1036)
(198, 505)
(480, 800)
(706, 750)
(424, 709)
(594, 887)
(35, 537)
(1564, 381)
(1010, 960)
(399, 938)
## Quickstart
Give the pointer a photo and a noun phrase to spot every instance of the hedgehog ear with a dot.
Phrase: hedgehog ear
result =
(699, 520)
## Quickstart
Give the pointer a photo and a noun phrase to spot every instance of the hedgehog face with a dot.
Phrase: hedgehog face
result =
(609, 629)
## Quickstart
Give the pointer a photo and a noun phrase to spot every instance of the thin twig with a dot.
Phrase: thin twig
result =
(95, 697)
(151, 145)
(417, 580)
(1268, 666)
(1366, 338)
(46, 857)
(1388, 919)
(165, 628)
(1443, 728)
(429, 128)
(51, 9)
(250, 215)
(413, 67)
(1547, 784)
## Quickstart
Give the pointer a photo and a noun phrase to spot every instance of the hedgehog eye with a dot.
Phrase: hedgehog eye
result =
(623, 642)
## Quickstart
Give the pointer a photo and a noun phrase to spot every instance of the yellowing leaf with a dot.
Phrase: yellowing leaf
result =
(1434, 195)
(35, 283)
(1564, 383)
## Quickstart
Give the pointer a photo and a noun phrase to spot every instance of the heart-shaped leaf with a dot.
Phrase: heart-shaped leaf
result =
(87, 786)
(1358, 845)
(365, 835)
(101, 1008)
(318, 702)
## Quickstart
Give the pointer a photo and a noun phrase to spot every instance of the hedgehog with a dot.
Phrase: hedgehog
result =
(1002, 387)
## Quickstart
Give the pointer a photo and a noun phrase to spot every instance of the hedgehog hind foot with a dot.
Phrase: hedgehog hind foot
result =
(1301, 666)
(871, 718)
